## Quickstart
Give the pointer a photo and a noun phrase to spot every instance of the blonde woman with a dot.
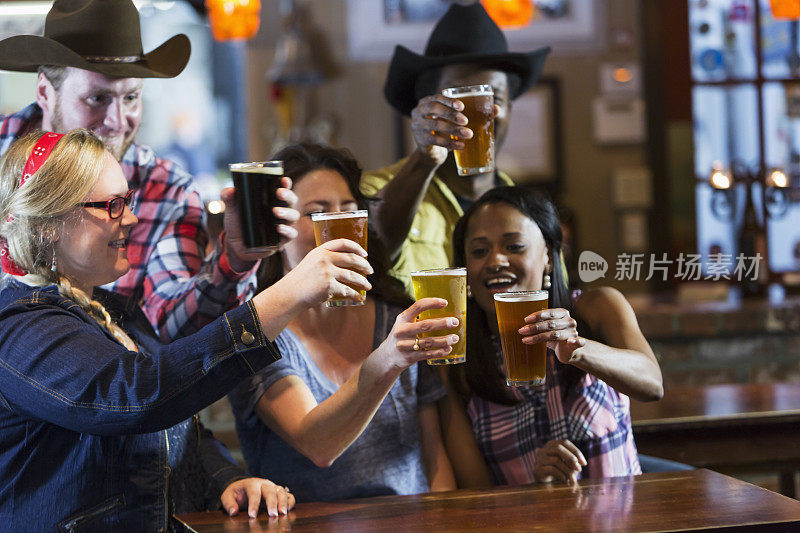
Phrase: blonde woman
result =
(89, 399)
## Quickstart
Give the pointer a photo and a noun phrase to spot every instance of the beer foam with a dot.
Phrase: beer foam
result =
(258, 167)
(441, 272)
(521, 296)
(472, 90)
(339, 214)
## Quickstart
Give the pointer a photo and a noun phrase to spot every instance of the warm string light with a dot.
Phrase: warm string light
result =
(510, 13)
(233, 19)
(777, 178)
(785, 9)
(720, 177)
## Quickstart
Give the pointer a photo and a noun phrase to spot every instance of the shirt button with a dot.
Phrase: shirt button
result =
(247, 337)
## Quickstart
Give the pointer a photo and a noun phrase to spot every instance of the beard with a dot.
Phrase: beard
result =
(117, 149)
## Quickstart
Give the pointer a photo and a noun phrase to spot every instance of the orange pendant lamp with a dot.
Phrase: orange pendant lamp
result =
(510, 13)
(233, 19)
(785, 9)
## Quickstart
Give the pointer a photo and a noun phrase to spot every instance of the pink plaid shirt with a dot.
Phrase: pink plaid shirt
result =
(179, 289)
(591, 414)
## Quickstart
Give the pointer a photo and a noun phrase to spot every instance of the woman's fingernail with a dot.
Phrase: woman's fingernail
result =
(251, 513)
(232, 511)
(452, 322)
(453, 339)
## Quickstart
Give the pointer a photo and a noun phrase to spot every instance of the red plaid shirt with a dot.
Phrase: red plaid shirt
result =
(178, 288)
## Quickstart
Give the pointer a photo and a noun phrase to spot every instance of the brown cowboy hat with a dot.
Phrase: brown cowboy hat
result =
(465, 34)
(99, 35)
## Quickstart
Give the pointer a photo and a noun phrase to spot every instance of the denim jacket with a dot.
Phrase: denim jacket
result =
(90, 432)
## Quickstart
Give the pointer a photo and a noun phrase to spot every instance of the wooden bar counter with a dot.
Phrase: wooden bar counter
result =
(698, 499)
(734, 428)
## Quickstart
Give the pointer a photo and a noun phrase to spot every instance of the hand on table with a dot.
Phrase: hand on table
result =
(248, 493)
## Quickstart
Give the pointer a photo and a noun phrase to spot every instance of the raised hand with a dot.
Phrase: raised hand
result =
(335, 268)
(557, 328)
(239, 257)
(403, 347)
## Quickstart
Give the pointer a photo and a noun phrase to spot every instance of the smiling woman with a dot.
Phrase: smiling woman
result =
(578, 423)
(78, 386)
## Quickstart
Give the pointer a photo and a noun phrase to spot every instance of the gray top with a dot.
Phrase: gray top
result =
(385, 459)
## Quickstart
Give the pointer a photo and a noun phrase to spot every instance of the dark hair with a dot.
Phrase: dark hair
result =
(480, 370)
(428, 81)
(298, 161)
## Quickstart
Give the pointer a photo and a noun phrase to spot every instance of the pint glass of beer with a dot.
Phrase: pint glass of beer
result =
(525, 363)
(478, 153)
(341, 225)
(450, 284)
(256, 185)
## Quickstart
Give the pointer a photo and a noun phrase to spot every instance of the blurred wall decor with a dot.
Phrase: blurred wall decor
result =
(745, 64)
(375, 27)
(300, 65)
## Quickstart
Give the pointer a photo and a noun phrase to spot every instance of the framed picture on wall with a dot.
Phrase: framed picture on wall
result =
(532, 151)
(375, 27)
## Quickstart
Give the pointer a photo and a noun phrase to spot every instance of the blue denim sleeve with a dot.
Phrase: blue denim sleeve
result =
(56, 367)
(218, 463)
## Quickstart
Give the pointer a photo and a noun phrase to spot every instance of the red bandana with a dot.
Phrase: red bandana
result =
(39, 154)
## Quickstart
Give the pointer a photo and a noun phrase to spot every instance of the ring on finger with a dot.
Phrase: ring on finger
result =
(416, 345)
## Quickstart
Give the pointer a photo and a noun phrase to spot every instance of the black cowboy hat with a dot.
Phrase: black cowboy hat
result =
(465, 34)
(99, 35)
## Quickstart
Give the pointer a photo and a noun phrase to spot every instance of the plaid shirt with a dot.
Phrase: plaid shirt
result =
(179, 290)
(591, 414)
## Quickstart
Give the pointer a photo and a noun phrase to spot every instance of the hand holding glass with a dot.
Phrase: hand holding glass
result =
(451, 285)
(477, 156)
(526, 364)
(341, 225)
(256, 187)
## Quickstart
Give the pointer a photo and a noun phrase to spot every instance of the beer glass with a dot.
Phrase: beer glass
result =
(525, 363)
(478, 153)
(256, 185)
(341, 225)
(450, 284)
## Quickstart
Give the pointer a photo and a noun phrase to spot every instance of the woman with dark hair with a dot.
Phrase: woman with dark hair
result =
(346, 413)
(578, 423)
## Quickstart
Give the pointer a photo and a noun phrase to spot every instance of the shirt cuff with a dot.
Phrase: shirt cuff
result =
(249, 340)
(225, 265)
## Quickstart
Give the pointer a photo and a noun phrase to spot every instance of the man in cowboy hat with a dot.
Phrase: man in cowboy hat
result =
(91, 64)
(422, 196)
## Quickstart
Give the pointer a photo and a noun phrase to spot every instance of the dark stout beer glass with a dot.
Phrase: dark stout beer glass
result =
(256, 186)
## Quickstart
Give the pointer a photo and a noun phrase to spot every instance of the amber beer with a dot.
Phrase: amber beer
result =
(256, 186)
(525, 363)
(341, 225)
(478, 153)
(450, 284)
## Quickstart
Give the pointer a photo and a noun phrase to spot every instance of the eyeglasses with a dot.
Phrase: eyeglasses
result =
(115, 206)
